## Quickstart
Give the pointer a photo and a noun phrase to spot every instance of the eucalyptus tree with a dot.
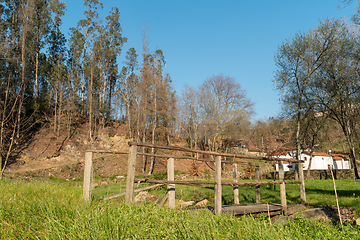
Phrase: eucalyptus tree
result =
(15, 24)
(153, 99)
(56, 52)
(25, 18)
(9, 78)
(109, 42)
(161, 100)
(88, 27)
(128, 82)
(41, 29)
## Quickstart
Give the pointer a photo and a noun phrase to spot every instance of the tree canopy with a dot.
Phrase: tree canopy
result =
(318, 72)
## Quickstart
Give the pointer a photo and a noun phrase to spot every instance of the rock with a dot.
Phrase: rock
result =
(119, 177)
(310, 214)
(185, 204)
(202, 202)
(103, 183)
(143, 197)
(295, 208)
(357, 221)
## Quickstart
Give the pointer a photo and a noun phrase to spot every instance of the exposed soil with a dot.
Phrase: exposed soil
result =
(63, 156)
(347, 214)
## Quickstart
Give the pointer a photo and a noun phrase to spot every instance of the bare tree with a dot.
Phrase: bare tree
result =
(225, 107)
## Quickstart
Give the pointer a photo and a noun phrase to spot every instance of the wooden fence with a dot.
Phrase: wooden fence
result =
(217, 184)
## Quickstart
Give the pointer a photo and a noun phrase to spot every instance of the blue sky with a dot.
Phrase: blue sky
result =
(203, 38)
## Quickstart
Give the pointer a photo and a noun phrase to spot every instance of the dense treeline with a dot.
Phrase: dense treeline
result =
(47, 79)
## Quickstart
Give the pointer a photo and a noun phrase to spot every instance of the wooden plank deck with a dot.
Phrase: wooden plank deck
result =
(242, 209)
(250, 208)
(255, 208)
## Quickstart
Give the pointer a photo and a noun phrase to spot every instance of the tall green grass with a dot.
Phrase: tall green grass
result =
(46, 210)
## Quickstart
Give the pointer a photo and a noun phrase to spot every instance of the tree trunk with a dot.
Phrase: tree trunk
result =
(152, 163)
(55, 106)
(36, 76)
(60, 110)
(23, 64)
(90, 98)
(310, 161)
(352, 150)
(297, 138)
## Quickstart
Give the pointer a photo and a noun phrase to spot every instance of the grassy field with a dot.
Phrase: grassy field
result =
(318, 192)
(55, 210)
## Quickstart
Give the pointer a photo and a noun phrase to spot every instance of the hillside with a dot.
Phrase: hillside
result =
(46, 154)
(63, 157)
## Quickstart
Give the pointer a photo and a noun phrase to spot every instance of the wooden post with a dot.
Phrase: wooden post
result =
(296, 172)
(130, 185)
(337, 200)
(282, 187)
(257, 179)
(171, 187)
(302, 183)
(87, 177)
(218, 196)
(236, 188)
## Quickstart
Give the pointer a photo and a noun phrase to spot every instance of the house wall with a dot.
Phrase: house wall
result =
(287, 167)
(341, 164)
(317, 163)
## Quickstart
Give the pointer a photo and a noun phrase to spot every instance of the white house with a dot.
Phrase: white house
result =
(341, 161)
(285, 153)
(320, 161)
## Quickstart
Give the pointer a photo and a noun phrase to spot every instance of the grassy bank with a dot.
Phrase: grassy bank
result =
(46, 210)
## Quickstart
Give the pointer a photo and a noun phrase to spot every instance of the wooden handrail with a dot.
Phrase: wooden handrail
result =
(202, 183)
(210, 153)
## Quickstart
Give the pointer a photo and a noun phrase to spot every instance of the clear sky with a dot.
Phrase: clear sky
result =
(201, 38)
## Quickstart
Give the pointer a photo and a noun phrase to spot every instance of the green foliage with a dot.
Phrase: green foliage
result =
(159, 175)
(44, 210)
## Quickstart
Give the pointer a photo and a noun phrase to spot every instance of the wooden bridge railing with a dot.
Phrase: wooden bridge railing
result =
(130, 181)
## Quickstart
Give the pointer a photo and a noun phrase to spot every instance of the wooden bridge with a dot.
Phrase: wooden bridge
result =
(216, 185)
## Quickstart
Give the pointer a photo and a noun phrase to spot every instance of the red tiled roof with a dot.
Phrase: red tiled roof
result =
(281, 151)
(340, 155)
(317, 154)
(321, 154)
